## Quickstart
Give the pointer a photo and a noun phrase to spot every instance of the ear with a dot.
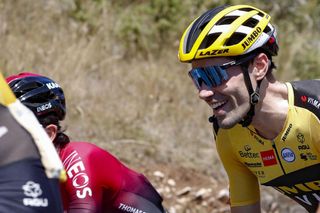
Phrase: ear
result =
(260, 66)
(52, 131)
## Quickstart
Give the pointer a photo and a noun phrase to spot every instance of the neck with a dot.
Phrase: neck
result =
(271, 111)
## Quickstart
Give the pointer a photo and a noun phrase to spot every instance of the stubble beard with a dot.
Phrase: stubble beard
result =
(233, 117)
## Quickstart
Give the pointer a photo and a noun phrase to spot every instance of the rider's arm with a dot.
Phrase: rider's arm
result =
(244, 185)
(128, 190)
(138, 194)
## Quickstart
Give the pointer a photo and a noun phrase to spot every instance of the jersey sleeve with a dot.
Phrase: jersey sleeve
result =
(137, 194)
(244, 185)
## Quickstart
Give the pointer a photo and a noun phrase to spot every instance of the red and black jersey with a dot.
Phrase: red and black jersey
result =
(98, 182)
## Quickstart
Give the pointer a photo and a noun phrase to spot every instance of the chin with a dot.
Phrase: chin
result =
(228, 122)
(225, 124)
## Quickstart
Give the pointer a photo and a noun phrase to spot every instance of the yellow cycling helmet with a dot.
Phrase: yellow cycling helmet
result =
(228, 31)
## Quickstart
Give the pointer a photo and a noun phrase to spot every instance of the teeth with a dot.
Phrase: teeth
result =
(216, 105)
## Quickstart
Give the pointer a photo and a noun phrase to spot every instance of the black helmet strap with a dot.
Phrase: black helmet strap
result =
(254, 96)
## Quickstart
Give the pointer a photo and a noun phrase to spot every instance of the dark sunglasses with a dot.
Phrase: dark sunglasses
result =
(213, 76)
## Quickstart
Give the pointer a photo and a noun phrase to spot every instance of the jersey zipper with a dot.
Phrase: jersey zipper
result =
(277, 154)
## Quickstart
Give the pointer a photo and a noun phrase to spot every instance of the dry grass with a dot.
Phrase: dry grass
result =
(131, 106)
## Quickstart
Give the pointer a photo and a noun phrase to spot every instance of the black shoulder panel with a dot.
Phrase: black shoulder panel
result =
(215, 124)
(307, 95)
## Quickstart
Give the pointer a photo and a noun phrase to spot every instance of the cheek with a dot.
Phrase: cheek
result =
(237, 89)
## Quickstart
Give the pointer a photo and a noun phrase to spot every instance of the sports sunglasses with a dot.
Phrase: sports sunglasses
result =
(213, 76)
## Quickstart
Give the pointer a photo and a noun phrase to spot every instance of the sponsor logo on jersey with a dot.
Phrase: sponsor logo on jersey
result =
(76, 171)
(127, 208)
(304, 98)
(300, 137)
(304, 147)
(308, 156)
(44, 107)
(248, 154)
(308, 198)
(257, 31)
(3, 131)
(288, 155)
(256, 164)
(52, 85)
(303, 157)
(256, 138)
(311, 101)
(300, 187)
(268, 158)
(33, 190)
(314, 102)
(213, 52)
(247, 148)
(304, 192)
(284, 137)
(260, 174)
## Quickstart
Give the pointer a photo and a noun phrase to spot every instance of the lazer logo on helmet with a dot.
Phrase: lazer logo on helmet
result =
(44, 107)
(52, 85)
(213, 52)
(251, 38)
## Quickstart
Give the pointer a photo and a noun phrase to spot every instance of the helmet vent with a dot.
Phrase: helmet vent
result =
(251, 23)
(261, 14)
(226, 20)
(235, 38)
(267, 29)
(199, 25)
(247, 9)
(208, 40)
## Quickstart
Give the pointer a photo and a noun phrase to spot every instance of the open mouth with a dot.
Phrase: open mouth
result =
(218, 105)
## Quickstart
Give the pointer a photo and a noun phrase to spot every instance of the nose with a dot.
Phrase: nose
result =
(205, 93)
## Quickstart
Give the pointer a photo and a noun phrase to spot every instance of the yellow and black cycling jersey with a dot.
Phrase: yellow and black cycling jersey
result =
(290, 163)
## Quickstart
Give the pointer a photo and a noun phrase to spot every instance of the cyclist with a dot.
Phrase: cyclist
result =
(29, 166)
(96, 181)
(266, 131)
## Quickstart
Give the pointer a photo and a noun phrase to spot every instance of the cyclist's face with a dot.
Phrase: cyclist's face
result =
(229, 100)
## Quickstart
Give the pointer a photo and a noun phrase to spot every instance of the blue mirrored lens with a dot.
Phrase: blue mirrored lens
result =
(211, 76)
(199, 76)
